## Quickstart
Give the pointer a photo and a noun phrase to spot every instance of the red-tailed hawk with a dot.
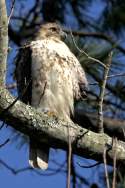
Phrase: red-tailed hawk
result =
(52, 77)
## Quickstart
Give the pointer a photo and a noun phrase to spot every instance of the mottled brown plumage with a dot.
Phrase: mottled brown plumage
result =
(57, 80)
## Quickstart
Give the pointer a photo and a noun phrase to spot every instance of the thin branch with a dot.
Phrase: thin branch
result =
(11, 86)
(69, 158)
(90, 166)
(2, 125)
(105, 166)
(11, 11)
(114, 163)
(116, 75)
(13, 103)
(101, 95)
(3, 144)
(110, 76)
(123, 130)
(15, 172)
(94, 83)
(89, 57)
(73, 172)
(97, 35)
(24, 46)
(50, 172)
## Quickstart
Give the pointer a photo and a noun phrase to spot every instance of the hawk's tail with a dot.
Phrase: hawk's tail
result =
(38, 158)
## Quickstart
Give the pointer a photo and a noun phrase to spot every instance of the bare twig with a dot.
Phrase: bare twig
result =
(50, 171)
(5, 110)
(123, 132)
(101, 95)
(99, 36)
(105, 166)
(94, 83)
(73, 173)
(2, 125)
(5, 142)
(11, 11)
(114, 163)
(15, 172)
(116, 75)
(69, 158)
(89, 57)
(24, 46)
(110, 76)
(11, 86)
(90, 166)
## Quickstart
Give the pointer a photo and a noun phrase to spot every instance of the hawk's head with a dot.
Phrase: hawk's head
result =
(50, 30)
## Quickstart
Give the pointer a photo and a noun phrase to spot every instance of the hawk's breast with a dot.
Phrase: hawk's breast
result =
(52, 87)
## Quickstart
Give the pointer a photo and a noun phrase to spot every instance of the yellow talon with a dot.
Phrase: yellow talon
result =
(51, 113)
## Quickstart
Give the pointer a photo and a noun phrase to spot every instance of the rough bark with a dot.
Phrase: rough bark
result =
(48, 129)
(3, 41)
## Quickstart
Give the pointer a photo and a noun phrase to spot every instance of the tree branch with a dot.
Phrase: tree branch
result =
(101, 95)
(54, 132)
(11, 11)
(3, 41)
(48, 129)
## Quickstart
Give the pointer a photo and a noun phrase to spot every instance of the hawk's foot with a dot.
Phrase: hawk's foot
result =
(50, 113)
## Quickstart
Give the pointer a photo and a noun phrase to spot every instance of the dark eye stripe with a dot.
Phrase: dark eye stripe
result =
(53, 29)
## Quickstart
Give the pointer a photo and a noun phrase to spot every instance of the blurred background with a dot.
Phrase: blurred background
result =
(97, 27)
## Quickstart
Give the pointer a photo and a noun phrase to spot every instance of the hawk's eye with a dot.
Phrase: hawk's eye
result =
(53, 29)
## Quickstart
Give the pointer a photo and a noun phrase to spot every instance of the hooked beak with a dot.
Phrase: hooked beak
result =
(63, 34)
